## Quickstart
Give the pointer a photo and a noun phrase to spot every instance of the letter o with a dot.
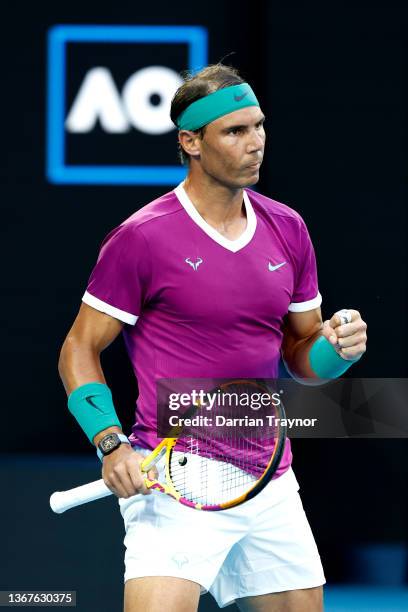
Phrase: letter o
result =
(137, 93)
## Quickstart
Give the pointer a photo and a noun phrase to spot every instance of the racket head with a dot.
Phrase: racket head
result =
(210, 471)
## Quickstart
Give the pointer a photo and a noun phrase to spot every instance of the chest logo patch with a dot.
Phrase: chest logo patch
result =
(194, 264)
(272, 268)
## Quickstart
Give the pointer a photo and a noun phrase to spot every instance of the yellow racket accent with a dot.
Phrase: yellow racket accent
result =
(189, 498)
(164, 449)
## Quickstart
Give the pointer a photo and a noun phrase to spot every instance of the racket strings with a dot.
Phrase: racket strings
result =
(208, 481)
(214, 466)
(210, 477)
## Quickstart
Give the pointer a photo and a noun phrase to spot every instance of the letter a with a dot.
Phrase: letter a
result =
(97, 98)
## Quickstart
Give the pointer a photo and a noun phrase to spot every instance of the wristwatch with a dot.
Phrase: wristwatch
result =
(109, 443)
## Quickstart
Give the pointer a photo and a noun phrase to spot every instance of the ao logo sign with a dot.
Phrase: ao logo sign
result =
(108, 103)
(144, 102)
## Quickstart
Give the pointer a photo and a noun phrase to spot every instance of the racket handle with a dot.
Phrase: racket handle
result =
(64, 500)
(154, 457)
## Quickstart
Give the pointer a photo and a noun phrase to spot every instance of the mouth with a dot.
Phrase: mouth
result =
(254, 166)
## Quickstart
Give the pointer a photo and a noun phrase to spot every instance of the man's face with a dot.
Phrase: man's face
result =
(232, 147)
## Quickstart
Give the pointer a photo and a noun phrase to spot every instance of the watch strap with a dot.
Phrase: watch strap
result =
(124, 439)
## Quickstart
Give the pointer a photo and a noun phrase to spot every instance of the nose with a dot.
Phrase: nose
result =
(256, 141)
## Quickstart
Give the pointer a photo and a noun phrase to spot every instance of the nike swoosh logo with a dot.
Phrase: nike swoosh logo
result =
(90, 402)
(272, 268)
(239, 98)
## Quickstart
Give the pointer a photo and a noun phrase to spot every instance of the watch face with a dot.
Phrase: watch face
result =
(109, 443)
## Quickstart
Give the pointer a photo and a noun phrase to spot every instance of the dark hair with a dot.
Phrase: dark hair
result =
(196, 86)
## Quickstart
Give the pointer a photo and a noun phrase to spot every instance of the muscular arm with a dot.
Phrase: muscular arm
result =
(79, 363)
(300, 331)
(91, 333)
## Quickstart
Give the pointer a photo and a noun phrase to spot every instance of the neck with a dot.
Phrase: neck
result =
(217, 203)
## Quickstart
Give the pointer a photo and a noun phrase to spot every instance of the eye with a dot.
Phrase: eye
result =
(235, 131)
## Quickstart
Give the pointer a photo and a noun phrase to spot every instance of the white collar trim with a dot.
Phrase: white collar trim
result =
(231, 245)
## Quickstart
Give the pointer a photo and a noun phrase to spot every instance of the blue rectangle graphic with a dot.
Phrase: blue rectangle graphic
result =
(58, 170)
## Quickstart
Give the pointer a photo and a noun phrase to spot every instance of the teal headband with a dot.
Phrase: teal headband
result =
(216, 105)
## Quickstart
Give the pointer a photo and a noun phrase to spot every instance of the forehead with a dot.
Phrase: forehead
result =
(250, 115)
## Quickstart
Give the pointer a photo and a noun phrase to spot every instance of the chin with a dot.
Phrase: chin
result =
(252, 180)
(241, 183)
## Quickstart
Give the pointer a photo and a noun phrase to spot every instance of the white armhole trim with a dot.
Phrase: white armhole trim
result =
(304, 306)
(98, 304)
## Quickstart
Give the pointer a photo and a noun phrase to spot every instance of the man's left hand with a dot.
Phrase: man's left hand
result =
(349, 339)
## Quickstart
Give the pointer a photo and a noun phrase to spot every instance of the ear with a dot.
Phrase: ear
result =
(190, 142)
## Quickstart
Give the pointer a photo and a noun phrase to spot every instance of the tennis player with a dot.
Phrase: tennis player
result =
(210, 280)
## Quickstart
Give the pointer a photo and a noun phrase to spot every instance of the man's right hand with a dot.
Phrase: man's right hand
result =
(122, 474)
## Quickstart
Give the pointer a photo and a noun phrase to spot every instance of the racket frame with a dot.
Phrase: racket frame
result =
(165, 449)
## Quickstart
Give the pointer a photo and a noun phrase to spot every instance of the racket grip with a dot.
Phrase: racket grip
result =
(60, 501)
(151, 460)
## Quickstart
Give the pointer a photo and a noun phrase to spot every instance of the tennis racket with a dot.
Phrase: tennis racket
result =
(214, 467)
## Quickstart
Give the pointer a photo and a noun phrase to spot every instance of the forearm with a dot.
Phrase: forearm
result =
(315, 350)
(296, 354)
(79, 365)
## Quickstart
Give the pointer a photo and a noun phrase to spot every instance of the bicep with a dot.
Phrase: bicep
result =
(94, 329)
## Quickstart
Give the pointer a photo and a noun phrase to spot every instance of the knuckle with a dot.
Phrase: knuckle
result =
(118, 469)
(138, 483)
(135, 476)
(135, 462)
(133, 459)
(129, 466)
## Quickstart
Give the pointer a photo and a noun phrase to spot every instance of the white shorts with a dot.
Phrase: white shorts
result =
(263, 546)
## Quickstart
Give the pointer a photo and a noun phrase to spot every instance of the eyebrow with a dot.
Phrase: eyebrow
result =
(243, 125)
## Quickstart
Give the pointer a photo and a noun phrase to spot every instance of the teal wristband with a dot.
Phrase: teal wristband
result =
(92, 406)
(325, 361)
